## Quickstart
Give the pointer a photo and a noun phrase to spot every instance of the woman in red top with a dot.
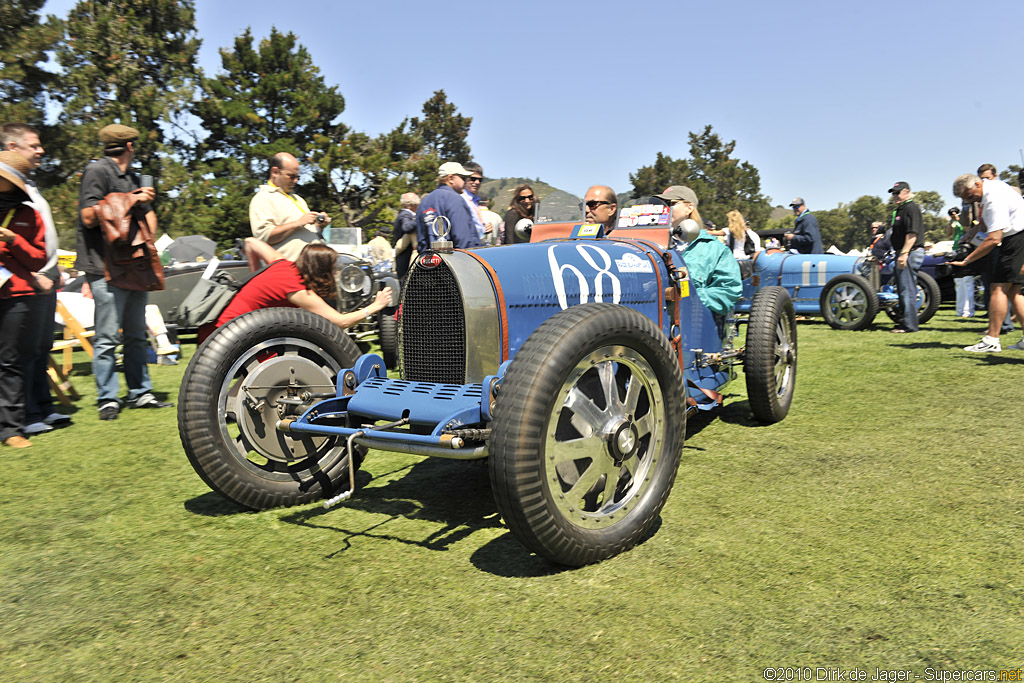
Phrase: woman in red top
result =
(303, 284)
(22, 252)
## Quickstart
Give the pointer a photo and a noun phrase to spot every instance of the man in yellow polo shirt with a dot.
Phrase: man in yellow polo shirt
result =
(280, 217)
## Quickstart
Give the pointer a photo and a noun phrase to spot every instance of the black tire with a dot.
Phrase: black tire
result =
(929, 298)
(929, 288)
(387, 330)
(576, 476)
(231, 441)
(770, 356)
(848, 302)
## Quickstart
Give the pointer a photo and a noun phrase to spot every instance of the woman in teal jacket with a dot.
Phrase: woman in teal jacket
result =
(712, 267)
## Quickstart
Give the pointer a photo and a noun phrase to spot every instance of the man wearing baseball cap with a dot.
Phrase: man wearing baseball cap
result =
(908, 243)
(805, 238)
(446, 202)
(116, 308)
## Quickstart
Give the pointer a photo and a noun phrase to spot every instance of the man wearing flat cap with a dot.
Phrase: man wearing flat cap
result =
(908, 243)
(805, 238)
(116, 308)
(446, 202)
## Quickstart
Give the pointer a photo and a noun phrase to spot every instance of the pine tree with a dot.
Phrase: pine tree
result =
(443, 130)
(722, 183)
(269, 98)
(131, 62)
(24, 41)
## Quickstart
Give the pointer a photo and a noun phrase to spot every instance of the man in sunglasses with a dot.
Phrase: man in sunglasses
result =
(601, 206)
(446, 202)
(471, 194)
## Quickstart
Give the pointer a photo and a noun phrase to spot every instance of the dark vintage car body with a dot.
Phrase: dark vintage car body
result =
(570, 363)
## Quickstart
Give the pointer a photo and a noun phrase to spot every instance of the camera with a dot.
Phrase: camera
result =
(321, 219)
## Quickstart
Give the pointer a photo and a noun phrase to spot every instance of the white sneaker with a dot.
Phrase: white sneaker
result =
(1019, 346)
(986, 345)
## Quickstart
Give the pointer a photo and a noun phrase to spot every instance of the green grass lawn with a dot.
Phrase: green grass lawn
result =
(881, 525)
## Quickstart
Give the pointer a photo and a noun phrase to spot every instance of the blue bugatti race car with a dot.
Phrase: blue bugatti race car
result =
(570, 363)
(844, 290)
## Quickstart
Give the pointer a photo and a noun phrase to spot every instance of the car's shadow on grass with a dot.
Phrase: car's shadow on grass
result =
(733, 412)
(453, 499)
(212, 504)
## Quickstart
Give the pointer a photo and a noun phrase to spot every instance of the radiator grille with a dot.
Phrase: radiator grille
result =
(432, 335)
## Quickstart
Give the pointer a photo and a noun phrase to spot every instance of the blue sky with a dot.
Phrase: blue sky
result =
(829, 100)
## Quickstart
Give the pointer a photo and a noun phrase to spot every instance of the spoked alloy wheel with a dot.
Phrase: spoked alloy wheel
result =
(249, 374)
(587, 434)
(849, 303)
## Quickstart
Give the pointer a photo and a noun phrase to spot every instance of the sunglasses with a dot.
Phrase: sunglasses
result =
(524, 197)
(594, 203)
(474, 179)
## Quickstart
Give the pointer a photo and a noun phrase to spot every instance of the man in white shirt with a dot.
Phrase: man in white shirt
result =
(1002, 212)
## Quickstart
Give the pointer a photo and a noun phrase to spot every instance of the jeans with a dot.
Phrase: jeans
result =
(39, 340)
(124, 309)
(906, 287)
(13, 317)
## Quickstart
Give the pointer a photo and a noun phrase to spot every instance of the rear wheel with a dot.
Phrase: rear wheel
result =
(587, 433)
(230, 402)
(928, 299)
(770, 357)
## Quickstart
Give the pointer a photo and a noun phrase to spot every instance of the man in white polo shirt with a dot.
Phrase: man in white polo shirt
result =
(1002, 213)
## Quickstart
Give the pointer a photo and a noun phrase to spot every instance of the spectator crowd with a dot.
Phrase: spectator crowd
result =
(116, 224)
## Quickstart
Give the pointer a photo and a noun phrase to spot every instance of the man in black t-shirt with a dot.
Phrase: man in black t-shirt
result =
(908, 243)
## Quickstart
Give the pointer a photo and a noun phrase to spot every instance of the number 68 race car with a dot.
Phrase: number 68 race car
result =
(570, 363)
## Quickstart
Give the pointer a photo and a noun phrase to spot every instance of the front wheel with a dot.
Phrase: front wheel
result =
(770, 356)
(587, 433)
(848, 302)
(260, 367)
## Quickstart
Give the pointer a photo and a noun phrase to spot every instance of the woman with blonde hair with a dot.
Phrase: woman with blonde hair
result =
(743, 241)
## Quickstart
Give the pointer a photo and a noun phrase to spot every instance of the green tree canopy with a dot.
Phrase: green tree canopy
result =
(722, 182)
(269, 98)
(443, 130)
(24, 41)
(123, 61)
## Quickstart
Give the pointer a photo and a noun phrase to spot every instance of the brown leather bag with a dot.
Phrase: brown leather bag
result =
(131, 259)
